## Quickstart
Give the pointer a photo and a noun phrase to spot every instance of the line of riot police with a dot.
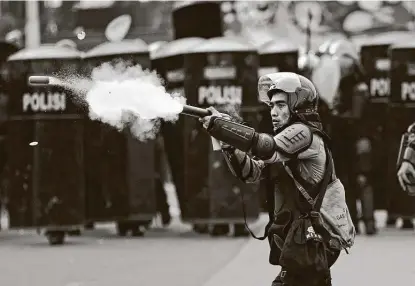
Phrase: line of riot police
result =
(81, 171)
(370, 109)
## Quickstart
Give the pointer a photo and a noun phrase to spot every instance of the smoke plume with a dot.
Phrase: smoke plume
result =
(127, 97)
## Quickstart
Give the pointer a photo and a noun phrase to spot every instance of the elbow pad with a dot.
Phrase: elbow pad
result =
(242, 137)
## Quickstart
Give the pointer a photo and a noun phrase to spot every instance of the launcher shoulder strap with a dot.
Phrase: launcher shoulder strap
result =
(315, 203)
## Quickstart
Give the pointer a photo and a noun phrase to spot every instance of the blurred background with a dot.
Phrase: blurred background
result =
(65, 175)
(287, 36)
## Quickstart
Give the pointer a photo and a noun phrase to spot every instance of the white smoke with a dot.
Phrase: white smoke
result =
(127, 97)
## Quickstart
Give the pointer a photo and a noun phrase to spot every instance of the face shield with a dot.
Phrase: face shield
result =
(343, 48)
(284, 81)
(326, 78)
(340, 59)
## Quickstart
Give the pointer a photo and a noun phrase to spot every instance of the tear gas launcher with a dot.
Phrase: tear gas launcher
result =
(238, 135)
(235, 134)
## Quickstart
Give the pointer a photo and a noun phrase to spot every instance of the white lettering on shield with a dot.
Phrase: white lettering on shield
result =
(44, 101)
(217, 95)
(379, 87)
(175, 75)
(408, 91)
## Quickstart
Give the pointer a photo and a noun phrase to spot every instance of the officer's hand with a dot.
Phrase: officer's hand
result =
(361, 180)
(363, 146)
(214, 113)
(405, 172)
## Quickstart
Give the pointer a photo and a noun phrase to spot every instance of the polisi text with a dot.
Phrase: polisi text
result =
(220, 95)
(44, 101)
(380, 87)
(408, 91)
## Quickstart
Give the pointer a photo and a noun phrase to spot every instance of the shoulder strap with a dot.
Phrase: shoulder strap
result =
(316, 203)
(325, 181)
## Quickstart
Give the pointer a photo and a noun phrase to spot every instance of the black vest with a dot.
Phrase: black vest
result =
(278, 180)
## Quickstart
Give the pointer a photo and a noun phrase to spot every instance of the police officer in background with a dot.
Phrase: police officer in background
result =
(163, 175)
(348, 126)
(354, 154)
(406, 161)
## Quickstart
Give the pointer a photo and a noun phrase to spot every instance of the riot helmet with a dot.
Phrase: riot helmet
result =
(411, 128)
(347, 54)
(343, 48)
(324, 48)
(302, 96)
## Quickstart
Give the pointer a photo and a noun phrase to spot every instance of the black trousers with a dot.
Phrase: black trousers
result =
(287, 278)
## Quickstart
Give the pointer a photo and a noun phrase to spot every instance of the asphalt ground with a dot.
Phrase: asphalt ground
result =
(177, 256)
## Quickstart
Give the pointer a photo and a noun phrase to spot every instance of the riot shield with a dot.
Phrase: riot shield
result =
(275, 56)
(376, 62)
(401, 115)
(45, 142)
(168, 61)
(220, 72)
(6, 49)
(120, 172)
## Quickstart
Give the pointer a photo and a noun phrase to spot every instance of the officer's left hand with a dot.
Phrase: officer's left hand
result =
(361, 180)
(363, 146)
(214, 113)
(405, 172)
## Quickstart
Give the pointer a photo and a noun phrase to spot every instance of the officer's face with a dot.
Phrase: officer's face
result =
(280, 113)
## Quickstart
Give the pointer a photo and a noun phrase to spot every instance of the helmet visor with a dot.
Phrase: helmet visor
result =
(283, 81)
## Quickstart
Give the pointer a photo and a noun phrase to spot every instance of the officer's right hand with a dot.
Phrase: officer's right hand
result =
(405, 173)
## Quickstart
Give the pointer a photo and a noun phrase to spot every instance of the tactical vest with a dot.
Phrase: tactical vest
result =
(283, 195)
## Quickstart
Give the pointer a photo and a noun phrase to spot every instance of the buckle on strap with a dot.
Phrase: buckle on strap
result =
(283, 273)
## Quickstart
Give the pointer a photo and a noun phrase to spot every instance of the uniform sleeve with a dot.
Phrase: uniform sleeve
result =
(243, 166)
(249, 169)
(315, 149)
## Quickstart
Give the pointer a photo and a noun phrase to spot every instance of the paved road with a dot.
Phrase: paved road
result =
(177, 257)
(385, 260)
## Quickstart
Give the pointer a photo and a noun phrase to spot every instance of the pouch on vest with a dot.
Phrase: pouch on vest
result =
(307, 242)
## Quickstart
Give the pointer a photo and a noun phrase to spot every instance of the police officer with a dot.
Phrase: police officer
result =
(297, 152)
(406, 161)
(349, 129)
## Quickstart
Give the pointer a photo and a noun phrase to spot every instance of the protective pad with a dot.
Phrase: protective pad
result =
(235, 134)
(294, 139)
